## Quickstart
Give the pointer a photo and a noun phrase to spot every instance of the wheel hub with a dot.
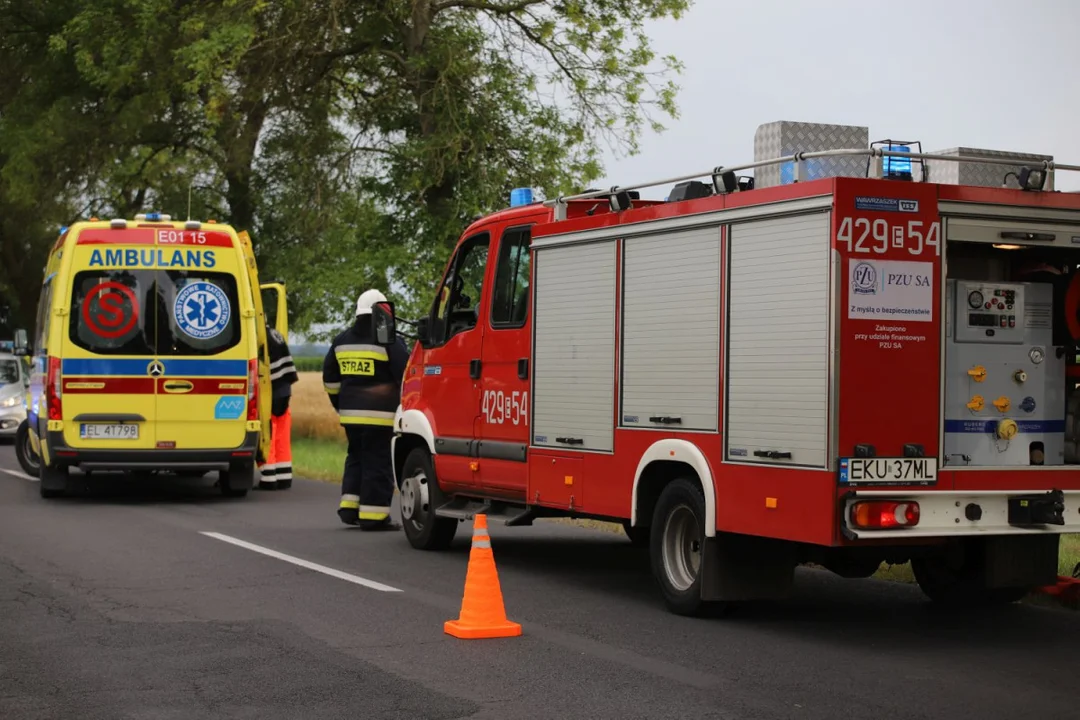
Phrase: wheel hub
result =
(681, 548)
(414, 496)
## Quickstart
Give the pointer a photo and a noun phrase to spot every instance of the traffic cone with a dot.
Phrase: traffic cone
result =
(482, 611)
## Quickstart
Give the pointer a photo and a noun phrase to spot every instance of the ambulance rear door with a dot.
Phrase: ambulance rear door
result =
(106, 351)
(205, 344)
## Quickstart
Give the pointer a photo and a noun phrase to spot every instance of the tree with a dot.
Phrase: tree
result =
(355, 139)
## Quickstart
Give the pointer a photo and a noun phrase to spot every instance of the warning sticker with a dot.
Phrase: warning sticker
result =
(202, 310)
(110, 310)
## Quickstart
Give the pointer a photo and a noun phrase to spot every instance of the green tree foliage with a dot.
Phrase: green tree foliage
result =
(354, 139)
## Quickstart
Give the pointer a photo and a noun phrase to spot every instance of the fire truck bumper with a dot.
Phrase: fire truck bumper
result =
(873, 514)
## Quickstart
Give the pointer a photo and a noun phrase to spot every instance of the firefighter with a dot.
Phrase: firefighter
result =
(277, 471)
(363, 380)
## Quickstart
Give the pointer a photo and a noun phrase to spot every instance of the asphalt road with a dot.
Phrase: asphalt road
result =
(118, 605)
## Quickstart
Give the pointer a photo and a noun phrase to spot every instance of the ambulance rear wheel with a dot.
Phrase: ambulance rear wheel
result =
(420, 495)
(24, 451)
(676, 541)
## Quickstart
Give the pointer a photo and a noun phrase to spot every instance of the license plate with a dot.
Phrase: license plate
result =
(888, 471)
(109, 431)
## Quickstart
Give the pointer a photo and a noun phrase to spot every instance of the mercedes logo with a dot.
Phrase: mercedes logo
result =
(156, 369)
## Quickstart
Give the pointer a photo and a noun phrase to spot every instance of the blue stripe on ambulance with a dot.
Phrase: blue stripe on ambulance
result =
(173, 366)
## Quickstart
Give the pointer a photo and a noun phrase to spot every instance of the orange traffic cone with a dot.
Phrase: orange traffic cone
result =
(482, 611)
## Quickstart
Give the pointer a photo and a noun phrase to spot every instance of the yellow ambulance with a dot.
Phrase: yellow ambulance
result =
(150, 354)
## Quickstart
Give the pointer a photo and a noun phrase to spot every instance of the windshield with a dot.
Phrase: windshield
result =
(9, 372)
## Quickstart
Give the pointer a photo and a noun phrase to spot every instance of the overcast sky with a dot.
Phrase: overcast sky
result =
(990, 74)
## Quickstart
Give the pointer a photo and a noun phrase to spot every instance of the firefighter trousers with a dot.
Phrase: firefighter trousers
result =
(277, 471)
(367, 487)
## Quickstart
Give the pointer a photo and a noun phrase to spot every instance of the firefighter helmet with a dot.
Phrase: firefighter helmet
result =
(367, 300)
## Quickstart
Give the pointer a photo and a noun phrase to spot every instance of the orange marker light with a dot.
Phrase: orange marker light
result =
(770, 503)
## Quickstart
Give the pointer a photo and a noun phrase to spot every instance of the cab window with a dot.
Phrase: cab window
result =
(41, 326)
(457, 306)
(510, 302)
(200, 312)
(113, 312)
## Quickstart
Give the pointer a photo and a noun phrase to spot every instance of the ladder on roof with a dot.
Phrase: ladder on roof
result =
(1038, 174)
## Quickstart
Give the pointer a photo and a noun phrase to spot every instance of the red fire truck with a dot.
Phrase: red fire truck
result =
(854, 356)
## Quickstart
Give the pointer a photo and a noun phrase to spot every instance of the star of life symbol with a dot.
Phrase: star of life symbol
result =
(202, 310)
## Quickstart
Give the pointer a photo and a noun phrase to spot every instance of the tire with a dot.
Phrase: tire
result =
(678, 530)
(55, 482)
(424, 529)
(958, 587)
(237, 480)
(28, 460)
(639, 535)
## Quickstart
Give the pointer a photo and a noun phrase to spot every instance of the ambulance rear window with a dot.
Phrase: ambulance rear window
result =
(200, 312)
(113, 312)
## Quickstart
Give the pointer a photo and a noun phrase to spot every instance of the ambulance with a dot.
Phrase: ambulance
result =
(843, 353)
(149, 353)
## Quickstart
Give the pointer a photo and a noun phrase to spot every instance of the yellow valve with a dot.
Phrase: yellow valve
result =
(978, 373)
(1007, 429)
(1002, 404)
(976, 404)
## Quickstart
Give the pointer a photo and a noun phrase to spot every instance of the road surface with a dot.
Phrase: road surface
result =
(134, 603)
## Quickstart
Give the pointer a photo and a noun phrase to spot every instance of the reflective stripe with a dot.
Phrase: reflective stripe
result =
(282, 372)
(278, 363)
(283, 475)
(361, 355)
(373, 516)
(332, 388)
(384, 509)
(366, 417)
(481, 543)
(376, 352)
(480, 533)
(350, 502)
(381, 422)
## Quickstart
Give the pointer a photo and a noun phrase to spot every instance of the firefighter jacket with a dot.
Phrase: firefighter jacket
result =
(282, 372)
(364, 379)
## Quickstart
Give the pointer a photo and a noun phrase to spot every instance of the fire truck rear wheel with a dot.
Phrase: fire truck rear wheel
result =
(676, 541)
(420, 495)
(958, 587)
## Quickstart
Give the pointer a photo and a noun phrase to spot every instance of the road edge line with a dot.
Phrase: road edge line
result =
(340, 575)
(19, 474)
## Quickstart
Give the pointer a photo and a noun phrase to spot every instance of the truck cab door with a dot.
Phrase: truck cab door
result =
(452, 360)
(276, 307)
(504, 404)
(263, 349)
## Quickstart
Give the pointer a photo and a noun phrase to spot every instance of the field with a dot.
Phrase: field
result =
(319, 453)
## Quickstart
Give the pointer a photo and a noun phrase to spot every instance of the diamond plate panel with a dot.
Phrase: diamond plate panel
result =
(945, 172)
(777, 139)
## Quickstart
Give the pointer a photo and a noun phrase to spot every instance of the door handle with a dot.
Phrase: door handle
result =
(523, 368)
(474, 369)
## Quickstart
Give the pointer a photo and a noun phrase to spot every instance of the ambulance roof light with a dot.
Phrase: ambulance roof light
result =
(118, 223)
(192, 225)
(521, 196)
(153, 217)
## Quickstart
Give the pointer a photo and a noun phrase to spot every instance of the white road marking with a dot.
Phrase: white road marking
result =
(347, 577)
(16, 473)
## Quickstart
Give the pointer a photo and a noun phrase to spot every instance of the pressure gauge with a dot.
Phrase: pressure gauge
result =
(975, 299)
(1036, 354)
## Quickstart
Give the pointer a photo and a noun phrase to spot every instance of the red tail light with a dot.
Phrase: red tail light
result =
(253, 390)
(884, 514)
(53, 390)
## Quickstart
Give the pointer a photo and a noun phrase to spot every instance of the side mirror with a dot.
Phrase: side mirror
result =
(423, 327)
(384, 325)
(22, 343)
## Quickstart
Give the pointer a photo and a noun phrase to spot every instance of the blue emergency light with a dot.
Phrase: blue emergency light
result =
(897, 167)
(63, 229)
(521, 196)
(153, 216)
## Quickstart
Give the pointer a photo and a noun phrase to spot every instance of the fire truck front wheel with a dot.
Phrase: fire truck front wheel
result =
(420, 496)
(676, 542)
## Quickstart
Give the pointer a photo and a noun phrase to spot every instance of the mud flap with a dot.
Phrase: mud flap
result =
(1020, 560)
(742, 567)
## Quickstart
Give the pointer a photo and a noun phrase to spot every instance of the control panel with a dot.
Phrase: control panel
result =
(989, 312)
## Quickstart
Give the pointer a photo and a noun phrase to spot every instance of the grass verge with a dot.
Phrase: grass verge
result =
(318, 459)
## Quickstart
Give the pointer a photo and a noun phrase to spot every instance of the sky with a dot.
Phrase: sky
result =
(990, 74)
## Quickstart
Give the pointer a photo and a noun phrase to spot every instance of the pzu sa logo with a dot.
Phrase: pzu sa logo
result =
(864, 279)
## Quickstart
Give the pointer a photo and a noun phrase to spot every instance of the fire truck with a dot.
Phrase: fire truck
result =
(861, 353)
